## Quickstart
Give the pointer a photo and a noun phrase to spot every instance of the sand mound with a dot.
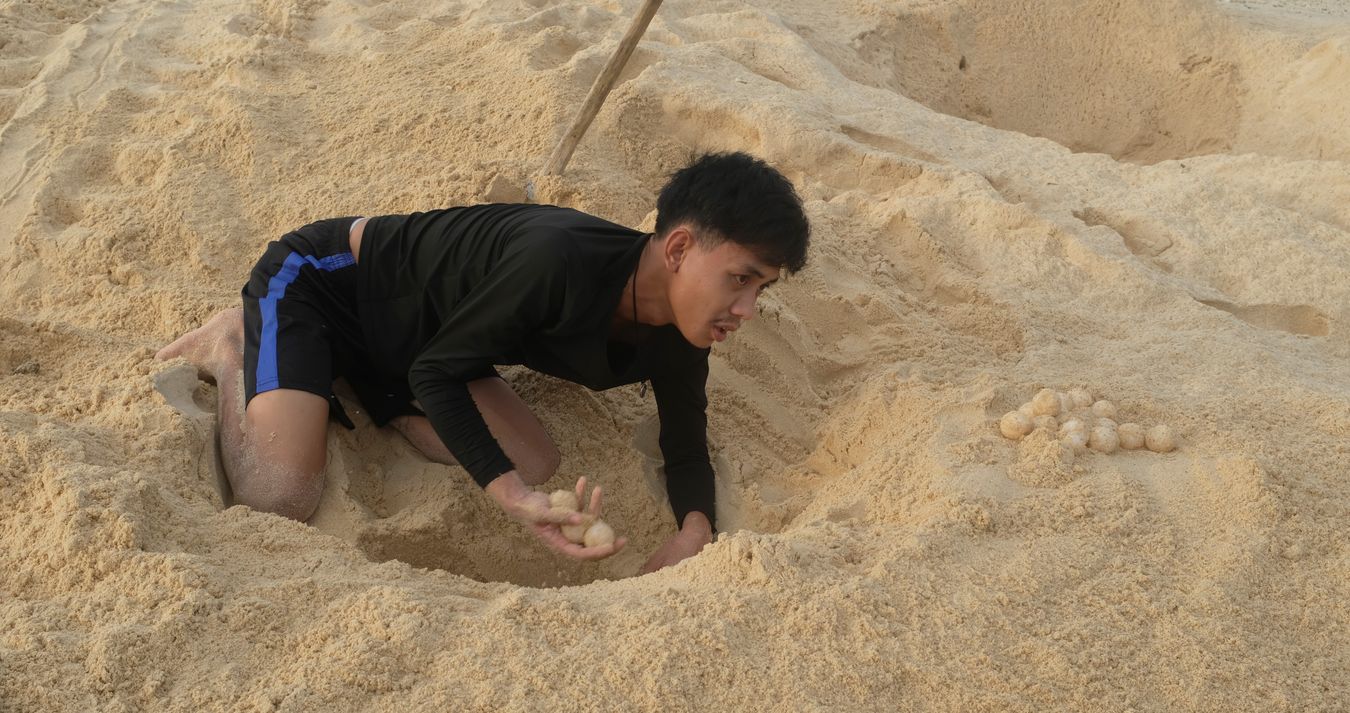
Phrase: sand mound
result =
(1150, 200)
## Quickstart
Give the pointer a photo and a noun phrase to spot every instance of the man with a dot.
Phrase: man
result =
(421, 307)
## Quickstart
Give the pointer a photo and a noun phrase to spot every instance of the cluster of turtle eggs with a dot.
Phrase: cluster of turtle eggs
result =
(591, 531)
(1083, 423)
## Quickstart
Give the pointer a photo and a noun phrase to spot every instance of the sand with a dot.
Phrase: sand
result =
(1147, 199)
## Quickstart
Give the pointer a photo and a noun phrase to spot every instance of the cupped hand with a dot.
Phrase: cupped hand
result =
(532, 509)
(552, 536)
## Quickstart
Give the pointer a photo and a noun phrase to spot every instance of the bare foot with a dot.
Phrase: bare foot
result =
(212, 347)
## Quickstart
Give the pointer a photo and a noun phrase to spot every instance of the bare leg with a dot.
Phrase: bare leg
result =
(274, 454)
(520, 434)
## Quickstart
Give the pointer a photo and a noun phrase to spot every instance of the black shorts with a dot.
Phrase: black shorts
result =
(302, 329)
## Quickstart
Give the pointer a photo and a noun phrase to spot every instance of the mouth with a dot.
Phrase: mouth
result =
(720, 332)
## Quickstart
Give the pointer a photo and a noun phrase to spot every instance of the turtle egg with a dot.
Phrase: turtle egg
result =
(1104, 439)
(1072, 424)
(1014, 425)
(1131, 436)
(1104, 409)
(576, 534)
(599, 533)
(1160, 439)
(564, 500)
(1077, 441)
(1046, 403)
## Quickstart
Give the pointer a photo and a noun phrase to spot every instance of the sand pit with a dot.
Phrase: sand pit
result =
(1150, 198)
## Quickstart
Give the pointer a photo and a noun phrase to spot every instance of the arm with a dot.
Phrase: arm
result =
(521, 293)
(681, 404)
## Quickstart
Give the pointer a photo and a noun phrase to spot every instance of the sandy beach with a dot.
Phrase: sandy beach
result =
(1147, 200)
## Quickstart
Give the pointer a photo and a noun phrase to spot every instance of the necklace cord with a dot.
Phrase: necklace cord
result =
(643, 392)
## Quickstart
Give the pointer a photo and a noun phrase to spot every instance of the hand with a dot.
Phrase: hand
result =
(691, 538)
(532, 509)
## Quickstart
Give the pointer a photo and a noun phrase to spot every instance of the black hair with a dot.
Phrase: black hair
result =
(737, 197)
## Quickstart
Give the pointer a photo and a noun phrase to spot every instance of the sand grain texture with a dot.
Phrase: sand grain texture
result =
(1151, 199)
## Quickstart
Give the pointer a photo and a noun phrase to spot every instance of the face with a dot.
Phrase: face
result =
(713, 290)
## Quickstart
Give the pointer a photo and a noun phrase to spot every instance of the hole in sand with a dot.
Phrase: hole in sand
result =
(1295, 319)
(1115, 81)
(384, 497)
(391, 503)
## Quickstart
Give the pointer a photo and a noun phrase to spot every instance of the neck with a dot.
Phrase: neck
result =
(650, 283)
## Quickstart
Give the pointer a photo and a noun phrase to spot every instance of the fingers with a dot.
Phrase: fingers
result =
(594, 509)
(557, 517)
(618, 545)
(659, 559)
(652, 565)
(595, 553)
(551, 537)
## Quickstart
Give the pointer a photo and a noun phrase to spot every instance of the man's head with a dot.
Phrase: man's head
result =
(729, 225)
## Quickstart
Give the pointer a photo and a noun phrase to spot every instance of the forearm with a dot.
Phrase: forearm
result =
(460, 426)
(692, 487)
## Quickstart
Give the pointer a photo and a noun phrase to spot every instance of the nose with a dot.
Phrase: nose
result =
(744, 307)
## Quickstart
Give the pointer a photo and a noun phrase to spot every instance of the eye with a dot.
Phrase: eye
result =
(742, 280)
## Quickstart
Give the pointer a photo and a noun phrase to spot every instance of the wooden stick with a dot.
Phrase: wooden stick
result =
(600, 89)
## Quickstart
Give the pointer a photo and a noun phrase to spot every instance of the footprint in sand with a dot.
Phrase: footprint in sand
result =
(1294, 319)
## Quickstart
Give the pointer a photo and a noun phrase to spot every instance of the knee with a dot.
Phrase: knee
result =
(289, 494)
(539, 465)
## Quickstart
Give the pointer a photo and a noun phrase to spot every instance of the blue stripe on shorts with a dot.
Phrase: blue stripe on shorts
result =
(276, 289)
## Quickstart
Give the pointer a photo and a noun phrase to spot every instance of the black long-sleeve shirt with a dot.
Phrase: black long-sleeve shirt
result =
(447, 294)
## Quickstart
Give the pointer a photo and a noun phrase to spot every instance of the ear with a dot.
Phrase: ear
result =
(678, 243)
